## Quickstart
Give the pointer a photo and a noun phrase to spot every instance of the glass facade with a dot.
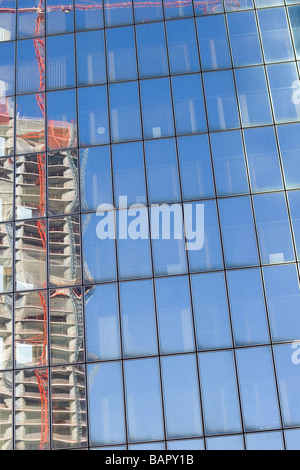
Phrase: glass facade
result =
(138, 343)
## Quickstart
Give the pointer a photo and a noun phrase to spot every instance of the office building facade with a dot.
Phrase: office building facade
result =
(136, 340)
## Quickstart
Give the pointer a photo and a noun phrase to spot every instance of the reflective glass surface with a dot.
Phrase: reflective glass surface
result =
(149, 225)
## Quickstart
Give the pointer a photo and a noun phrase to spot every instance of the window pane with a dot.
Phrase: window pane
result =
(125, 116)
(248, 310)
(263, 160)
(273, 228)
(31, 331)
(183, 53)
(208, 8)
(253, 96)
(138, 318)
(188, 104)
(90, 58)
(213, 42)
(168, 245)
(6, 316)
(95, 178)
(283, 297)
(211, 311)
(210, 257)
(106, 404)
(32, 410)
(69, 401)
(151, 46)
(177, 9)
(117, 16)
(283, 79)
(30, 186)
(121, 56)
(275, 35)
(59, 20)
(258, 389)
(174, 315)
(129, 173)
(7, 67)
(133, 249)
(6, 241)
(229, 163)
(64, 251)
(186, 444)
(221, 100)
(148, 446)
(243, 5)
(66, 326)
(61, 115)
(93, 118)
(294, 19)
(289, 141)
(144, 409)
(63, 182)
(102, 322)
(8, 20)
(287, 364)
(294, 201)
(292, 439)
(98, 255)
(195, 167)
(157, 108)
(144, 12)
(6, 416)
(225, 443)
(244, 39)
(7, 113)
(90, 17)
(219, 393)
(30, 266)
(6, 189)
(28, 16)
(181, 396)
(238, 232)
(30, 126)
(162, 171)
(264, 441)
(60, 62)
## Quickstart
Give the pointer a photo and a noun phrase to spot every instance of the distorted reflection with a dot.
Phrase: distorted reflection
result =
(30, 126)
(63, 197)
(64, 251)
(68, 407)
(30, 262)
(6, 331)
(30, 186)
(6, 431)
(6, 189)
(66, 324)
(31, 342)
(6, 245)
(6, 126)
(32, 410)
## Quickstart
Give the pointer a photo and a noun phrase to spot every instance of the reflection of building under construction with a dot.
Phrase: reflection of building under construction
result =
(64, 306)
